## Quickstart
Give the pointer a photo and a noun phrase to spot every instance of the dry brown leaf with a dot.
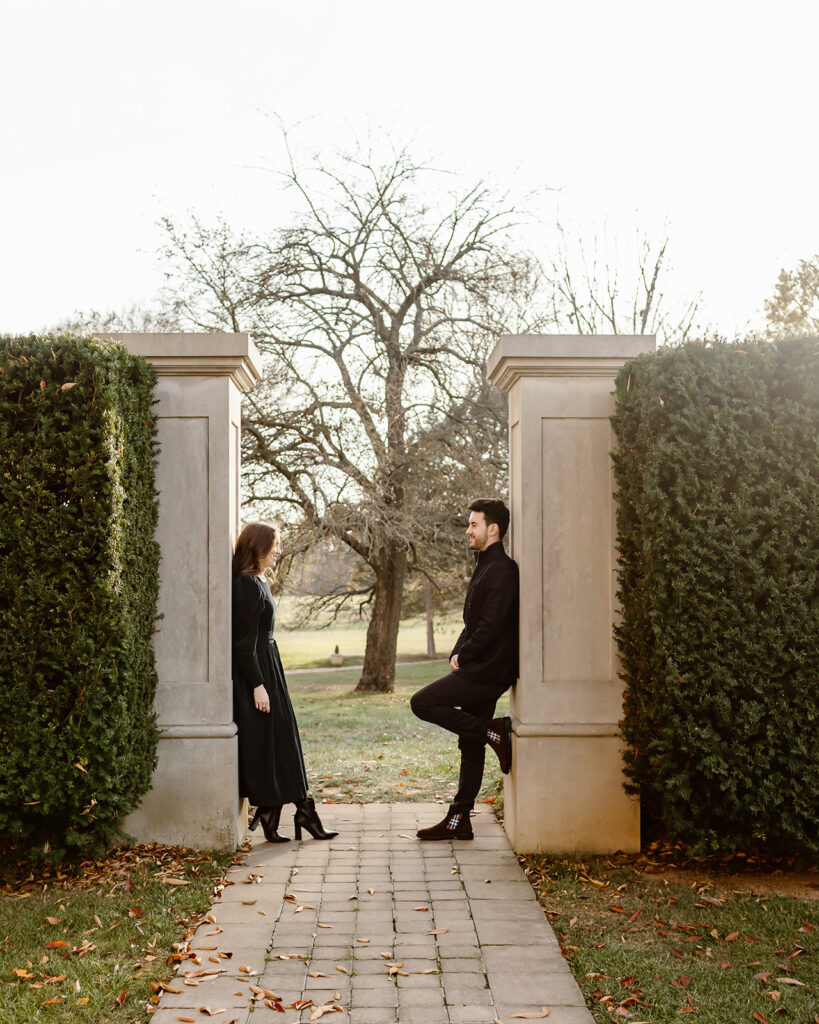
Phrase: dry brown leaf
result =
(790, 981)
(187, 1020)
(421, 909)
(211, 1013)
(429, 970)
(438, 931)
(316, 974)
(97, 920)
(362, 940)
(54, 920)
(320, 925)
(534, 1015)
(342, 970)
(68, 386)
(176, 881)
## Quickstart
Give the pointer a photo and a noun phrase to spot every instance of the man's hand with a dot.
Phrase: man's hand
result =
(261, 700)
(453, 663)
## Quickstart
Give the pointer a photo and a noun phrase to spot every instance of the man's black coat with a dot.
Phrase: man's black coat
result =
(487, 648)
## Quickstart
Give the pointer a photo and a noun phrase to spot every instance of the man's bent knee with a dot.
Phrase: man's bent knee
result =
(419, 706)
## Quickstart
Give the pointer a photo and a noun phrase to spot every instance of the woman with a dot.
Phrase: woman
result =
(271, 764)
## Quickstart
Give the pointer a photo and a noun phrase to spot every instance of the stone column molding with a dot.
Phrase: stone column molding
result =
(195, 796)
(565, 791)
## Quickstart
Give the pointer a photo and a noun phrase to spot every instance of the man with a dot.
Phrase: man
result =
(484, 664)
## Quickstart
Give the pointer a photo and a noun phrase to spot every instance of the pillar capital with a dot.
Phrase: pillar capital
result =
(562, 355)
(198, 355)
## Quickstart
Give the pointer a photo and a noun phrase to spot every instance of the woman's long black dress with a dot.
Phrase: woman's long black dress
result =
(271, 764)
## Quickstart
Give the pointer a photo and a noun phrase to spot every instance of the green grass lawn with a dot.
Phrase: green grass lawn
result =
(364, 747)
(648, 949)
(310, 648)
(89, 948)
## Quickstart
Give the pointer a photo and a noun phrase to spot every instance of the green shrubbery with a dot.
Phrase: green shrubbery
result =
(718, 475)
(79, 570)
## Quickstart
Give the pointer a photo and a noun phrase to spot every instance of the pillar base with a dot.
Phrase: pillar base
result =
(194, 800)
(565, 795)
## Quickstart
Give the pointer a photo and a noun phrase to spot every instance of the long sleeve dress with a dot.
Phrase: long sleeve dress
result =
(271, 764)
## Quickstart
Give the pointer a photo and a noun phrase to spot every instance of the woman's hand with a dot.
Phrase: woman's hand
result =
(261, 700)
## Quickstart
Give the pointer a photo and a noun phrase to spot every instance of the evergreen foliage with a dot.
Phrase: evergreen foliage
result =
(718, 474)
(79, 570)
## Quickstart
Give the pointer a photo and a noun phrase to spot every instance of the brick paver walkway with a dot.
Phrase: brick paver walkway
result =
(376, 927)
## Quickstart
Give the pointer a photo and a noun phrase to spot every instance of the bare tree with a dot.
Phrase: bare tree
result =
(587, 295)
(794, 308)
(375, 313)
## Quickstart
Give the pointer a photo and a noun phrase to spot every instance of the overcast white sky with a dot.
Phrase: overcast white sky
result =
(115, 112)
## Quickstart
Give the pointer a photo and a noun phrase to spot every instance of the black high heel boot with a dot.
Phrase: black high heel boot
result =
(269, 817)
(306, 817)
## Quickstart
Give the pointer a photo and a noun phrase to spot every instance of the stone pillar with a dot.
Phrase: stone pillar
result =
(195, 796)
(565, 791)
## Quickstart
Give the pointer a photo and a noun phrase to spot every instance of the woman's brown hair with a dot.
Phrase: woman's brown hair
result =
(254, 542)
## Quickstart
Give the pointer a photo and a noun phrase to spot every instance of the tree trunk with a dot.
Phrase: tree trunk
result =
(430, 609)
(378, 674)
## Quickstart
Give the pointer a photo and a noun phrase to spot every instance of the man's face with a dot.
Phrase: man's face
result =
(478, 531)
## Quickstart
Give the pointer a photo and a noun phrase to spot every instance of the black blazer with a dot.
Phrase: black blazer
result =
(487, 648)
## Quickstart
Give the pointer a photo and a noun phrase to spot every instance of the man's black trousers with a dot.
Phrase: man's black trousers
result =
(457, 703)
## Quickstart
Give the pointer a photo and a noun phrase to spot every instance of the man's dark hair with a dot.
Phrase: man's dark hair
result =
(494, 511)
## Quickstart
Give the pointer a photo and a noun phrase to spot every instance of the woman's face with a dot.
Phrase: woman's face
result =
(269, 560)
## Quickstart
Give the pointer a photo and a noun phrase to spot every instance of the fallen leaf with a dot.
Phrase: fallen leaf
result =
(808, 928)
(316, 974)
(120, 1000)
(421, 909)
(677, 953)
(176, 881)
(57, 944)
(58, 920)
(54, 999)
(760, 1018)
(82, 1000)
(68, 386)
(429, 970)
(790, 981)
(187, 1020)
(211, 1013)
(635, 915)
(763, 976)
(362, 940)
(534, 1015)
(438, 931)
(732, 937)
(342, 970)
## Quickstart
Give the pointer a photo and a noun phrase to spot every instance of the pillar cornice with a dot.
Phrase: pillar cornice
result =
(518, 356)
(198, 355)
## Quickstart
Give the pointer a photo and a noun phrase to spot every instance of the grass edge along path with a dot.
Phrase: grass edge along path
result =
(97, 945)
(650, 950)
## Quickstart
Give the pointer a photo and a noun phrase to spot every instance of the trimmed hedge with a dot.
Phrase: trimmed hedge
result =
(79, 569)
(718, 477)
